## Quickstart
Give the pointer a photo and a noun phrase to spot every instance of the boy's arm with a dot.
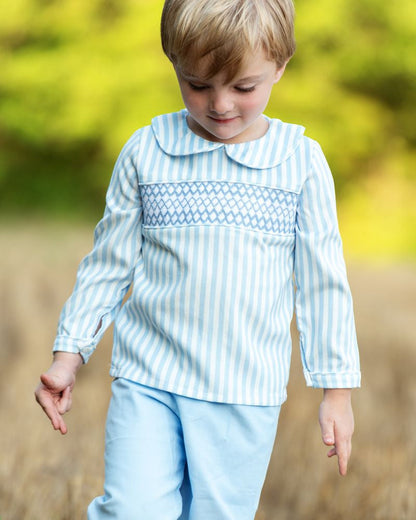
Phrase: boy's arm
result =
(54, 392)
(103, 279)
(324, 309)
(105, 275)
(337, 424)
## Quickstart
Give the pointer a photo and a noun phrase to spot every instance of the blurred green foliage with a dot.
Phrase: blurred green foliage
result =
(77, 78)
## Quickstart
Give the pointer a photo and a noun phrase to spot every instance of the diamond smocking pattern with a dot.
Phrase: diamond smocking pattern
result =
(219, 203)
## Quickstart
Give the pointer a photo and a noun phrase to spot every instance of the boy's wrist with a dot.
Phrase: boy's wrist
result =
(337, 394)
(74, 361)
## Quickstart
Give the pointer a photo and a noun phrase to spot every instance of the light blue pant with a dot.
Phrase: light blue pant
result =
(169, 457)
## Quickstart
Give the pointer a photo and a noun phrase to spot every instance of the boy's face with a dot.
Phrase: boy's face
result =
(229, 112)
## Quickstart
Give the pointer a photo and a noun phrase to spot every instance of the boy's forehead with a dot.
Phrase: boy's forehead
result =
(250, 68)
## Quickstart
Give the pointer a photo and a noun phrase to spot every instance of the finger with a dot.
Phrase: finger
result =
(342, 459)
(343, 451)
(49, 407)
(62, 426)
(58, 422)
(342, 465)
(328, 434)
(65, 402)
(47, 403)
(332, 452)
(328, 439)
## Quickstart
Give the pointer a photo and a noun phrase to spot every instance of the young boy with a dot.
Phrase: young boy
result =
(210, 213)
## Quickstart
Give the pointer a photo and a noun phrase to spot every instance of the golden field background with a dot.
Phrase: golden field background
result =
(44, 476)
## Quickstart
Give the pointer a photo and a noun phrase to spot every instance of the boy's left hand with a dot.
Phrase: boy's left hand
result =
(337, 424)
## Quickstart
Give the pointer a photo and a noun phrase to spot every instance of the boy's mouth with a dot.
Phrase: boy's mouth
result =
(222, 121)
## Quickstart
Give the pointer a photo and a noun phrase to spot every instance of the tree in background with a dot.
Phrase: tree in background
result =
(77, 78)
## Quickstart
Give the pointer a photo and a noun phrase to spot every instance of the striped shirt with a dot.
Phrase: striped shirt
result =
(214, 239)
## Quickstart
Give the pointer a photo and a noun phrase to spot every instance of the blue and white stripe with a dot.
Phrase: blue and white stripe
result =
(211, 236)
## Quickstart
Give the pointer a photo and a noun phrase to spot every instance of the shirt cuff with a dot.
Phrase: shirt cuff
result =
(333, 380)
(74, 346)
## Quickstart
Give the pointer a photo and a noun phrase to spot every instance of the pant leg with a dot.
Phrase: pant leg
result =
(228, 450)
(144, 457)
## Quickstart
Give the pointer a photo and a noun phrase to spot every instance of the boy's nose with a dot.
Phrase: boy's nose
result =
(220, 103)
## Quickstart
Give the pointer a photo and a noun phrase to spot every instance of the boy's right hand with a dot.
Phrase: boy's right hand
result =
(54, 392)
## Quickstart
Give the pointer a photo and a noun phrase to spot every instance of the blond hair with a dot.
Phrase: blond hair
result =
(226, 32)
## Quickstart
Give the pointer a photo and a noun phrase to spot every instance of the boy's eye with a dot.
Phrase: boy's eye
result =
(245, 89)
(196, 87)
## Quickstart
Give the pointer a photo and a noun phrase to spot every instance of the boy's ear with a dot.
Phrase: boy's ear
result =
(279, 73)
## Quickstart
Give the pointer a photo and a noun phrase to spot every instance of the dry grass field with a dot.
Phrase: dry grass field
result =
(44, 476)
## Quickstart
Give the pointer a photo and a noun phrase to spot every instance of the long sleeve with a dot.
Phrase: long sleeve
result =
(324, 309)
(105, 275)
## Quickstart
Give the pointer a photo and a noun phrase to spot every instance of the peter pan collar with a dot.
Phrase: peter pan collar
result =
(278, 144)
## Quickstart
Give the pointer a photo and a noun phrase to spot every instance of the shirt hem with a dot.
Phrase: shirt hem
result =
(273, 400)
